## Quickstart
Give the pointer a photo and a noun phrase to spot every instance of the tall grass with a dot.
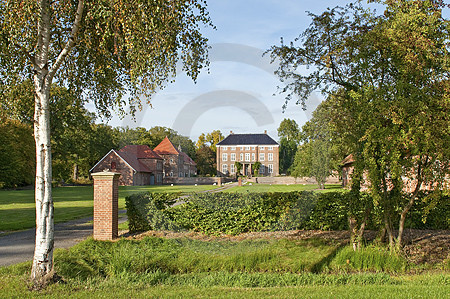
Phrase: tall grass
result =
(96, 259)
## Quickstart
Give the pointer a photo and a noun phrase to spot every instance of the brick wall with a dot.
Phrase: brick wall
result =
(284, 180)
(127, 173)
(250, 155)
(106, 206)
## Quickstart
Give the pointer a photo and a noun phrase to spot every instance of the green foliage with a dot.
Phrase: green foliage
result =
(206, 161)
(210, 140)
(17, 150)
(289, 134)
(330, 212)
(238, 165)
(215, 213)
(289, 130)
(236, 213)
(387, 80)
(287, 152)
(147, 211)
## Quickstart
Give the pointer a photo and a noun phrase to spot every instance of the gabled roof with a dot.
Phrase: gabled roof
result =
(140, 151)
(131, 155)
(166, 147)
(248, 139)
(187, 159)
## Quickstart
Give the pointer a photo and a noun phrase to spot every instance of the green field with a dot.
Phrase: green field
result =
(283, 188)
(157, 267)
(17, 208)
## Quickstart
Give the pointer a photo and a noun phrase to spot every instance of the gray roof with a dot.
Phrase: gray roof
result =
(248, 139)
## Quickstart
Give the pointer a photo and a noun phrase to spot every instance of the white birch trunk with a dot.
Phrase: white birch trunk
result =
(43, 76)
(43, 251)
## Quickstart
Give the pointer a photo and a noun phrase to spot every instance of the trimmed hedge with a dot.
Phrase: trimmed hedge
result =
(235, 213)
(148, 211)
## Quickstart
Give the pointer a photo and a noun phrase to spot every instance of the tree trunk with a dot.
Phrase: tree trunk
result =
(75, 172)
(43, 252)
(401, 225)
(43, 76)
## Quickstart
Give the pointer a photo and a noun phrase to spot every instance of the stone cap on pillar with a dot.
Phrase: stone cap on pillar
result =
(105, 174)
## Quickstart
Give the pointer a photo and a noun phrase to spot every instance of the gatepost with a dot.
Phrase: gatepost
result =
(106, 205)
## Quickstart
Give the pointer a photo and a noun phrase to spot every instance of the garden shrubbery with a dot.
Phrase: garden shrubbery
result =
(235, 213)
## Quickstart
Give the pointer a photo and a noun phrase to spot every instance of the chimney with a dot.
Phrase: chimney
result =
(265, 131)
(231, 133)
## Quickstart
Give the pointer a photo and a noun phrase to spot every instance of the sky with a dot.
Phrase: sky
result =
(239, 92)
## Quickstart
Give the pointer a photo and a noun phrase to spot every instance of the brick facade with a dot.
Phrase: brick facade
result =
(137, 164)
(249, 149)
(177, 164)
(106, 206)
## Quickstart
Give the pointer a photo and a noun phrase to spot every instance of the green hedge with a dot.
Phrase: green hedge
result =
(235, 213)
(148, 211)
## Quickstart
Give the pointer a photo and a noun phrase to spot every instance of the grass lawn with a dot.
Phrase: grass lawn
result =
(283, 188)
(17, 207)
(156, 267)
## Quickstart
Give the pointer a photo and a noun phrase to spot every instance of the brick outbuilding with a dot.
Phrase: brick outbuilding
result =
(138, 165)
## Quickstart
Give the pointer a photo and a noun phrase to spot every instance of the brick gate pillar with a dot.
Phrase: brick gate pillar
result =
(106, 205)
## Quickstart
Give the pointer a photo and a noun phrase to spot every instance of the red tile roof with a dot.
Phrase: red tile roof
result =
(187, 159)
(132, 153)
(166, 147)
(140, 152)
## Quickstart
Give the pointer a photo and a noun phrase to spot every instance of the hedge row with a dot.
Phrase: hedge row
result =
(235, 213)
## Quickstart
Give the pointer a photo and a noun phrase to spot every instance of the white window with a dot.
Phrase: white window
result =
(241, 148)
(253, 148)
(270, 157)
(270, 148)
(224, 168)
(261, 157)
(224, 157)
(233, 148)
(247, 148)
(241, 157)
(171, 173)
(261, 147)
(232, 157)
(225, 148)
(253, 157)
(270, 168)
(232, 168)
(247, 157)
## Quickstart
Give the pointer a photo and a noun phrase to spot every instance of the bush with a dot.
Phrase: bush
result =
(231, 213)
(330, 212)
(148, 211)
(235, 213)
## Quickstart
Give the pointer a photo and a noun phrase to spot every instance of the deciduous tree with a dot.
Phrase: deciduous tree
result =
(100, 49)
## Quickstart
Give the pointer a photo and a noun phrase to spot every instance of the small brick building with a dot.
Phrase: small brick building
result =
(137, 164)
(248, 149)
(177, 164)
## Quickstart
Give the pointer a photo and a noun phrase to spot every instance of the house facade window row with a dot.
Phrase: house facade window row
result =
(248, 149)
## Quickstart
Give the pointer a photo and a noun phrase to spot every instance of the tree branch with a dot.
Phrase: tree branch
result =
(70, 43)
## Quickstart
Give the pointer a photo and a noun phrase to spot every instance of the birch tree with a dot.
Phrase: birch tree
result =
(101, 50)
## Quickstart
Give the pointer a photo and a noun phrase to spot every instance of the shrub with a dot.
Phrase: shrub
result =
(230, 213)
(148, 211)
(330, 212)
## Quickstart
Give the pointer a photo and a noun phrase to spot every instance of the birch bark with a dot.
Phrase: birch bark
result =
(43, 76)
